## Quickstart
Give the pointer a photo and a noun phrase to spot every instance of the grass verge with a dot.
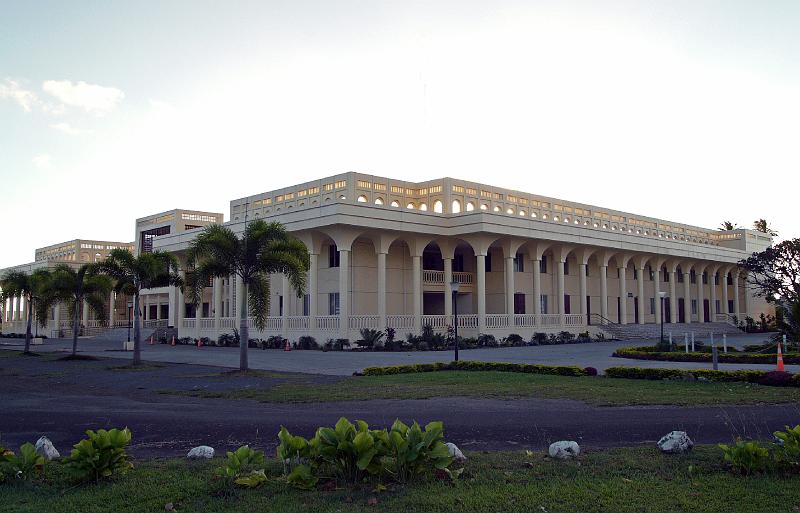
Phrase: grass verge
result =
(621, 481)
(599, 391)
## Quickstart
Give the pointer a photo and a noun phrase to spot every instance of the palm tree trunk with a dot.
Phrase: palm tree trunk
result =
(75, 317)
(28, 330)
(244, 330)
(137, 331)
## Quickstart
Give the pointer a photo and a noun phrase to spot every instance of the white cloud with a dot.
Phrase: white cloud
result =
(42, 161)
(12, 90)
(90, 97)
(68, 129)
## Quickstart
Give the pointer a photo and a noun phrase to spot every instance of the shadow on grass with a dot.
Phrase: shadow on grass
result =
(78, 358)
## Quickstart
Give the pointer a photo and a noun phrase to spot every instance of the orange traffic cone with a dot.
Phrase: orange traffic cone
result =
(780, 358)
(287, 347)
(173, 340)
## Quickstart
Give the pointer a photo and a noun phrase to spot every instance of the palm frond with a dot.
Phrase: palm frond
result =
(258, 296)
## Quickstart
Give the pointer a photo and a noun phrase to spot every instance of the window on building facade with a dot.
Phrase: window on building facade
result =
(333, 256)
(543, 264)
(665, 274)
(395, 204)
(470, 206)
(379, 201)
(458, 263)
(423, 207)
(488, 262)
(705, 278)
(635, 273)
(519, 266)
(455, 208)
(716, 280)
(567, 304)
(694, 307)
(543, 303)
(566, 267)
(729, 279)
(730, 306)
(333, 303)
(680, 276)
(438, 207)
(519, 303)
(362, 199)
(692, 276)
(306, 304)
(280, 306)
(147, 236)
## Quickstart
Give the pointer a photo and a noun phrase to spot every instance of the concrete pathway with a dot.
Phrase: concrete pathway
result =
(344, 363)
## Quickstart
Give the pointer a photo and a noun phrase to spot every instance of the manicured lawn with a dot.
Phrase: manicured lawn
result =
(620, 481)
(593, 390)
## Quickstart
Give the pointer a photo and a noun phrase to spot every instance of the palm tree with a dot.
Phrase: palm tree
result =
(762, 226)
(76, 288)
(727, 226)
(34, 288)
(132, 275)
(264, 249)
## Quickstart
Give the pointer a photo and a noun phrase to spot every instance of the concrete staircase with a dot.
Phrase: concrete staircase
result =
(652, 331)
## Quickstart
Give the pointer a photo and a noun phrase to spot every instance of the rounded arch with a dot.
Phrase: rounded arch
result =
(484, 206)
(470, 206)
(411, 205)
(361, 199)
(379, 201)
(395, 204)
(496, 208)
(455, 207)
(438, 206)
(510, 211)
(423, 207)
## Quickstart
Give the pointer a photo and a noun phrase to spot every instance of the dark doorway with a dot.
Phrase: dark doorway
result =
(681, 311)
(619, 310)
(636, 310)
(706, 310)
(566, 304)
(588, 310)
(667, 310)
(519, 303)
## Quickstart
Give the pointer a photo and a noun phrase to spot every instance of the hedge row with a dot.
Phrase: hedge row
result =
(647, 353)
(747, 376)
(477, 366)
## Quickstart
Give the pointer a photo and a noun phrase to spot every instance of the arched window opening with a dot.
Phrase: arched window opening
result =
(470, 206)
(438, 207)
(423, 206)
(395, 204)
(410, 206)
(455, 208)
(362, 199)
(379, 201)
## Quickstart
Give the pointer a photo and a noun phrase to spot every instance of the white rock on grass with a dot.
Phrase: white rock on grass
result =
(200, 452)
(675, 442)
(455, 452)
(564, 450)
(45, 448)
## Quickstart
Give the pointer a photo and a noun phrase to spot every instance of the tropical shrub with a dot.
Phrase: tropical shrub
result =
(776, 379)
(788, 451)
(485, 340)
(749, 376)
(410, 451)
(336, 344)
(701, 354)
(101, 455)
(514, 340)
(539, 339)
(590, 371)
(370, 338)
(746, 457)
(244, 467)
(306, 342)
(565, 337)
(24, 465)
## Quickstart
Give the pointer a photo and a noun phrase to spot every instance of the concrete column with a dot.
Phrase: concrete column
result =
(111, 305)
(641, 294)
(747, 298)
(14, 311)
(416, 271)
(285, 312)
(582, 281)
(57, 316)
(510, 290)
(656, 295)
(448, 290)
(344, 293)
(180, 307)
(700, 317)
(217, 305)
(724, 284)
(604, 291)
(736, 310)
(687, 297)
(173, 301)
(560, 296)
(85, 314)
(537, 286)
(673, 299)
(480, 262)
(712, 307)
(623, 296)
(313, 293)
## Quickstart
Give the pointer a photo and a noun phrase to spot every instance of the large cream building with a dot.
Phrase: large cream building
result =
(385, 252)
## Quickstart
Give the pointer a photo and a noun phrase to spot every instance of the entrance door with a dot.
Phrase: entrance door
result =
(667, 310)
(588, 310)
(636, 310)
(706, 310)
(619, 310)
(681, 311)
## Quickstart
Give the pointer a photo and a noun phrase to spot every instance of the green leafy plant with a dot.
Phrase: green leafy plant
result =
(788, 451)
(409, 451)
(746, 457)
(466, 365)
(24, 465)
(244, 466)
(370, 338)
(349, 448)
(101, 455)
(302, 477)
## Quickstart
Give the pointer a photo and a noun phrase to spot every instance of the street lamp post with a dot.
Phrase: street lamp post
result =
(661, 296)
(454, 287)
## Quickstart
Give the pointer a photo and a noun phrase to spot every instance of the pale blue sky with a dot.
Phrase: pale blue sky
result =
(683, 110)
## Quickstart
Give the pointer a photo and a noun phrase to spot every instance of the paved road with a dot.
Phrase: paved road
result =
(62, 399)
(596, 355)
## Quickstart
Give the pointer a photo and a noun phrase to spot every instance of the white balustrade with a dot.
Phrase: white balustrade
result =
(437, 277)
(206, 324)
(358, 322)
(437, 322)
(468, 321)
(228, 322)
(525, 320)
(574, 320)
(297, 323)
(432, 276)
(400, 322)
(495, 321)
(188, 323)
(328, 322)
(549, 320)
(464, 278)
